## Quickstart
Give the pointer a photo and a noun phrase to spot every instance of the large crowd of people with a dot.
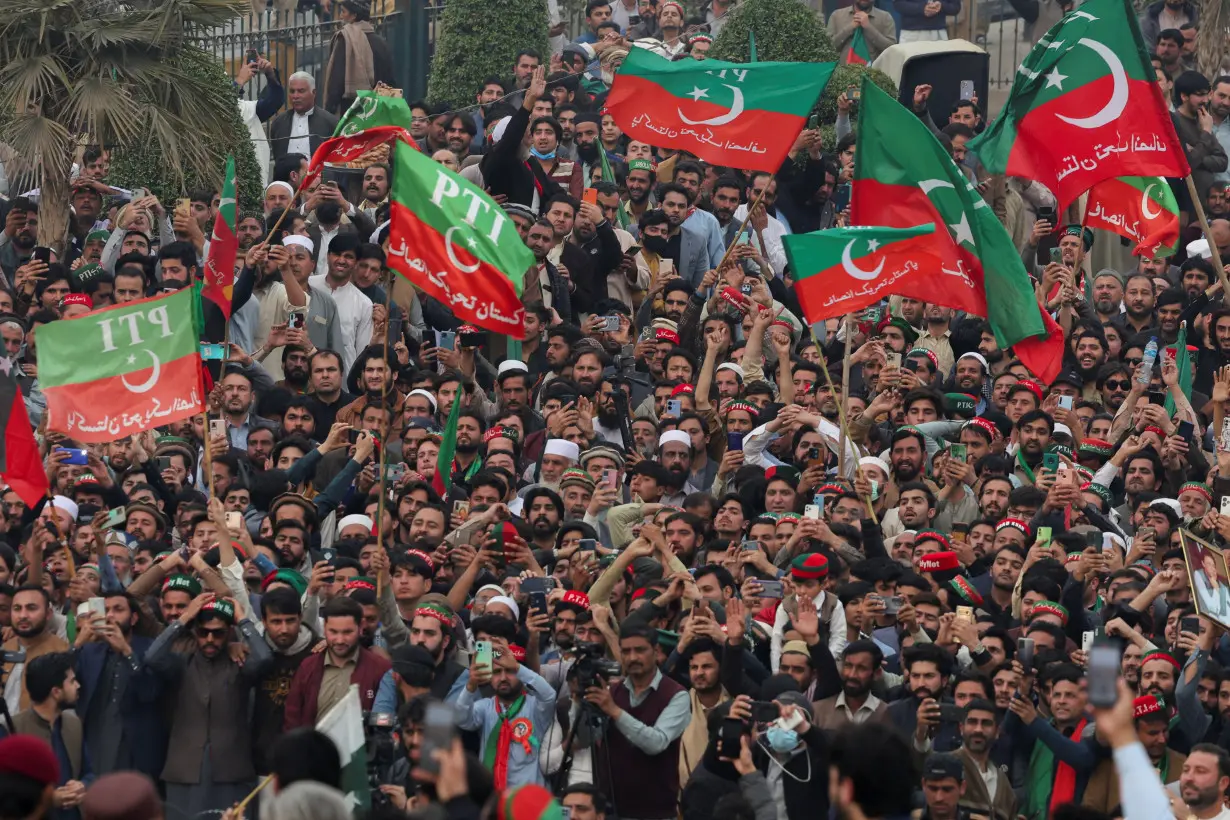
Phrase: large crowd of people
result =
(692, 556)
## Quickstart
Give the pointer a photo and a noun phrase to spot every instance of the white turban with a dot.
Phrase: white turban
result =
(562, 447)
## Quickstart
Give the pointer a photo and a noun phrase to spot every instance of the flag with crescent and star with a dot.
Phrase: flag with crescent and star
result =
(451, 239)
(738, 115)
(903, 177)
(844, 270)
(1142, 209)
(21, 465)
(143, 368)
(372, 110)
(219, 276)
(1084, 107)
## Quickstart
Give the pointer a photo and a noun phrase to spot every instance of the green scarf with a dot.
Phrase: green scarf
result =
(1020, 460)
(499, 739)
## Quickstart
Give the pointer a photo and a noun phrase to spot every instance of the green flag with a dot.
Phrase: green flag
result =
(1183, 361)
(858, 53)
(443, 479)
(370, 110)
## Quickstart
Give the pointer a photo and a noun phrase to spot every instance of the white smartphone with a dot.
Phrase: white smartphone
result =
(1225, 505)
(1087, 638)
(1065, 402)
(812, 511)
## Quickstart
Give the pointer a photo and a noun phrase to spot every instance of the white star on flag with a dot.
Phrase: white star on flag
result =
(132, 359)
(872, 246)
(961, 232)
(698, 92)
(472, 243)
(1054, 79)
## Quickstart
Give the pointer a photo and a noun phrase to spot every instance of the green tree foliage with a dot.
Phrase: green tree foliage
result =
(786, 31)
(477, 39)
(112, 73)
(141, 163)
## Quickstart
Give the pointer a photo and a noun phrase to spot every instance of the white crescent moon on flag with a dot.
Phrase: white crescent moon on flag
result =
(148, 384)
(1119, 96)
(1144, 203)
(736, 109)
(858, 273)
(928, 185)
(452, 257)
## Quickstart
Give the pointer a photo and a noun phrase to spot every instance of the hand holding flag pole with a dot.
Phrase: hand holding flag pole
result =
(1208, 235)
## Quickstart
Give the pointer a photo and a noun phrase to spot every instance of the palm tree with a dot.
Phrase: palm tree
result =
(1212, 41)
(74, 72)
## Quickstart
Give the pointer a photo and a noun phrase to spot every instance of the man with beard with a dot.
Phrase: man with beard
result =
(250, 230)
(594, 235)
(640, 182)
(675, 454)
(1066, 700)
(690, 177)
(290, 641)
(1090, 353)
(206, 673)
(587, 129)
(606, 420)
(544, 510)
(1203, 783)
(1169, 307)
(907, 456)
(1138, 301)
(987, 788)
(375, 189)
(860, 670)
(588, 284)
(687, 249)
(544, 282)
(1151, 720)
(1142, 473)
(702, 656)
(587, 366)
(724, 200)
(18, 240)
(936, 337)
(32, 634)
(512, 723)
(432, 629)
(1033, 434)
(970, 377)
(1114, 383)
(369, 277)
(122, 728)
(558, 350)
(993, 497)
(1107, 295)
(323, 678)
(325, 387)
(557, 456)
(1159, 674)
(926, 668)
(1005, 571)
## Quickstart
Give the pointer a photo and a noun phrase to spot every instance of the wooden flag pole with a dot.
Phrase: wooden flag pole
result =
(743, 226)
(209, 465)
(1208, 235)
(388, 388)
(848, 324)
(238, 809)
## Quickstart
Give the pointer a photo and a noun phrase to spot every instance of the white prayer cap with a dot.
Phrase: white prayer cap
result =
(1199, 247)
(66, 504)
(973, 354)
(364, 520)
(562, 447)
(676, 436)
(509, 365)
(872, 461)
(508, 602)
(418, 391)
(1062, 430)
(734, 368)
(301, 241)
(280, 184)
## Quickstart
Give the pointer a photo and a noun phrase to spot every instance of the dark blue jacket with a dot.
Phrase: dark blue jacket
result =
(914, 19)
(147, 734)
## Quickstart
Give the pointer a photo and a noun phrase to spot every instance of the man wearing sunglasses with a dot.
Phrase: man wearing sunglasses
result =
(209, 757)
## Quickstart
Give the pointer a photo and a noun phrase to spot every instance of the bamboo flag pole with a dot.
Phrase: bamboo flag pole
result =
(848, 324)
(388, 388)
(238, 809)
(1208, 235)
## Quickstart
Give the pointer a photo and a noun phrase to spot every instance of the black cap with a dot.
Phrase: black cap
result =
(942, 765)
(1070, 377)
(409, 655)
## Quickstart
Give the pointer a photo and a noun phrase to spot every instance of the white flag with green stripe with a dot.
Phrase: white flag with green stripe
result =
(343, 724)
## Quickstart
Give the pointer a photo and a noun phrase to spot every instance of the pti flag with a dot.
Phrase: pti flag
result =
(349, 148)
(903, 177)
(858, 53)
(843, 270)
(343, 724)
(219, 278)
(21, 466)
(143, 371)
(442, 481)
(372, 110)
(1084, 107)
(739, 115)
(1142, 209)
(455, 243)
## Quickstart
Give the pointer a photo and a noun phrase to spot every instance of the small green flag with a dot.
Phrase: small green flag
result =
(370, 110)
(442, 481)
(858, 53)
(1183, 361)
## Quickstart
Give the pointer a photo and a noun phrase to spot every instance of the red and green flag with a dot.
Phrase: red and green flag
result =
(21, 465)
(1142, 209)
(372, 110)
(453, 241)
(442, 481)
(349, 148)
(739, 115)
(903, 177)
(844, 270)
(1084, 108)
(858, 53)
(143, 371)
(219, 278)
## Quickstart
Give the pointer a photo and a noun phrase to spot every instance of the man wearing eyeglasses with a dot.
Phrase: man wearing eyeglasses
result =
(209, 757)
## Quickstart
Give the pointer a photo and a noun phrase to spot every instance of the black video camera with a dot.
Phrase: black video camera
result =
(593, 667)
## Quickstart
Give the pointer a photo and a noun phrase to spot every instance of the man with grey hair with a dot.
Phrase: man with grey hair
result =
(302, 128)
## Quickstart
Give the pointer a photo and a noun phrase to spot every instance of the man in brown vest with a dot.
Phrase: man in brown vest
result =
(53, 687)
(648, 713)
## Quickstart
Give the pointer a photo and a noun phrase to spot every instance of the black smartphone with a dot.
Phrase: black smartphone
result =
(353, 435)
(41, 254)
(328, 554)
(951, 713)
(1157, 397)
(470, 339)
(1025, 653)
(910, 365)
(253, 55)
(734, 441)
(841, 197)
(765, 711)
(1046, 213)
(538, 601)
(1190, 624)
(1185, 430)
(730, 739)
